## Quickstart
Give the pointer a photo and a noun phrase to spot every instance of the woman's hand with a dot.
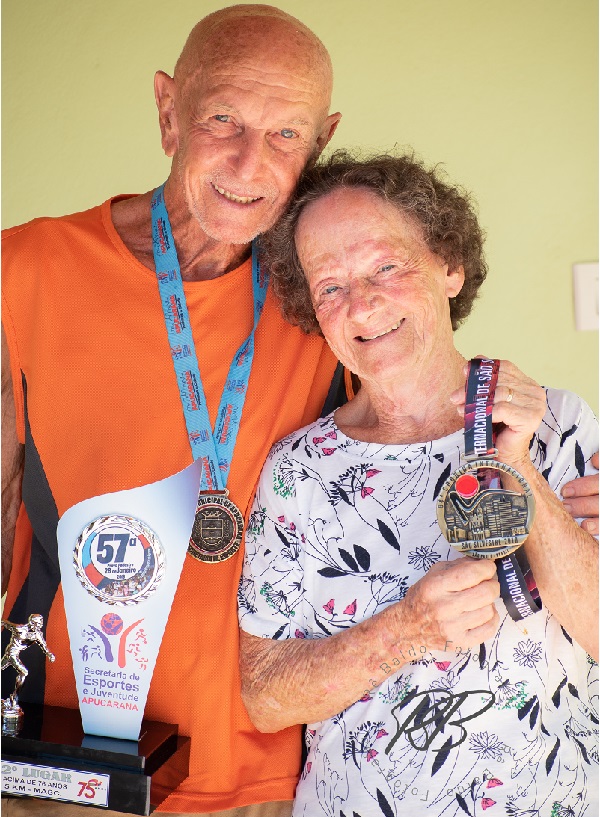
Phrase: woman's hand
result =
(453, 604)
(519, 418)
(519, 407)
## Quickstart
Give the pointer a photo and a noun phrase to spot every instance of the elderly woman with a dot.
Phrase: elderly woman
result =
(357, 616)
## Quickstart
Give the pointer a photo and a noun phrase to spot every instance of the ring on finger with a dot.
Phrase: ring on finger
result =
(510, 395)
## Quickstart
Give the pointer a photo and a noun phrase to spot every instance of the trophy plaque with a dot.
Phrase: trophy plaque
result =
(120, 559)
(45, 753)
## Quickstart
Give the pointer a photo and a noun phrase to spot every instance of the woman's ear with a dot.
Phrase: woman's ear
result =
(454, 281)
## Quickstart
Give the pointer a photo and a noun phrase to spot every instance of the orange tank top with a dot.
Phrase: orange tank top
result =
(99, 410)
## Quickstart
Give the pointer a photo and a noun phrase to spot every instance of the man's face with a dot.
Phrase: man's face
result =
(246, 128)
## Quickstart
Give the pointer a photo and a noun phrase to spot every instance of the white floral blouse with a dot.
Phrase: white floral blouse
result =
(339, 530)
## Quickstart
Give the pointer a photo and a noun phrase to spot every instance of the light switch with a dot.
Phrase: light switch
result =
(585, 295)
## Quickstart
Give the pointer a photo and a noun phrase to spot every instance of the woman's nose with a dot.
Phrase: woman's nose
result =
(362, 301)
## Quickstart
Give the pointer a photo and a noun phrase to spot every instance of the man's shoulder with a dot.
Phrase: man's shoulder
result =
(54, 248)
(48, 225)
(13, 235)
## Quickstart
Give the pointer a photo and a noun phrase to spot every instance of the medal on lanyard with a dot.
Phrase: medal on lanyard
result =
(217, 530)
(476, 514)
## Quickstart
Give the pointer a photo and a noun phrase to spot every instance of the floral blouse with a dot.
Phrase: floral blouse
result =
(339, 530)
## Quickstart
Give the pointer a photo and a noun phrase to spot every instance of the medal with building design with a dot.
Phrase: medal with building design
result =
(486, 509)
(478, 516)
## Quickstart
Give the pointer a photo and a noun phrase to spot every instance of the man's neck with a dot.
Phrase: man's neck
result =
(201, 258)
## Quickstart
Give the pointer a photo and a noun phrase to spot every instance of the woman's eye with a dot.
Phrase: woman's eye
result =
(386, 267)
(222, 117)
(330, 290)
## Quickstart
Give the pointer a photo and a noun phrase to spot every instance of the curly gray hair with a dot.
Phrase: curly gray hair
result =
(445, 213)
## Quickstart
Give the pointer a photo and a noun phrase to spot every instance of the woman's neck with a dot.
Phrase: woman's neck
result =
(413, 408)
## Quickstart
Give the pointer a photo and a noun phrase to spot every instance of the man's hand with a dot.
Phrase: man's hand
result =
(581, 499)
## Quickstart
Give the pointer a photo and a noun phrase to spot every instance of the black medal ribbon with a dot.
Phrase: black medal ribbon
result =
(476, 513)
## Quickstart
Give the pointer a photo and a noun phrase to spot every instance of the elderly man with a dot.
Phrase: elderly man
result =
(96, 403)
(96, 406)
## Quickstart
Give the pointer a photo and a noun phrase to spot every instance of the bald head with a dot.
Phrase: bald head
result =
(246, 111)
(251, 33)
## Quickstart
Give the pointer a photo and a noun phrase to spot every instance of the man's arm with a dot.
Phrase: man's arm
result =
(12, 467)
(308, 680)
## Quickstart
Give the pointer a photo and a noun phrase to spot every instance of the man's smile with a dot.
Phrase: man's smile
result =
(232, 197)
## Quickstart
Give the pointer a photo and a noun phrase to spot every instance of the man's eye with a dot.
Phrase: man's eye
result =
(287, 134)
(386, 267)
(222, 117)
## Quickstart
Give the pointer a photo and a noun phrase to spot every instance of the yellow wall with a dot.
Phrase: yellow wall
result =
(502, 92)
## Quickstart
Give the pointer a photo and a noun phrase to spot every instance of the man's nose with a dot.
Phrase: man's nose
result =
(251, 150)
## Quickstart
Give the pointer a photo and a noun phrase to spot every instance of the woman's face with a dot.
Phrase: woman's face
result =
(379, 293)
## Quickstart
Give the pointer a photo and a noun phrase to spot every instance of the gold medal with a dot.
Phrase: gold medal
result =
(478, 516)
(218, 525)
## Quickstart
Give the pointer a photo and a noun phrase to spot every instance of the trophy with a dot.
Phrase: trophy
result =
(21, 637)
(120, 558)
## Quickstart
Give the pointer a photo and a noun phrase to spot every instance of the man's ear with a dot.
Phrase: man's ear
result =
(454, 281)
(327, 131)
(164, 94)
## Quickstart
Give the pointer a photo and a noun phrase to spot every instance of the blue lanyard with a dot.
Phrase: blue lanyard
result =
(214, 449)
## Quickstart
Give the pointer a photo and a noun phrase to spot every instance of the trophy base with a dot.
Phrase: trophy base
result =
(52, 758)
(12, 717)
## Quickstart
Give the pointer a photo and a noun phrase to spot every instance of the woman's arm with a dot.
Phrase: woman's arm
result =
(308, 680)
(564, 562)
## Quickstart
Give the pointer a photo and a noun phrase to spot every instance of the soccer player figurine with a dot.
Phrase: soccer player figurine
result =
(22, 635)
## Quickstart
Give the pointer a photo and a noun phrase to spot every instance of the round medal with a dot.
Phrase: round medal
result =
(217, 531)
(478, 516)
(119, 560)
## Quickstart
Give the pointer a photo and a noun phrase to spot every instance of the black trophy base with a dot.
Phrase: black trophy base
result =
(52, 758)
